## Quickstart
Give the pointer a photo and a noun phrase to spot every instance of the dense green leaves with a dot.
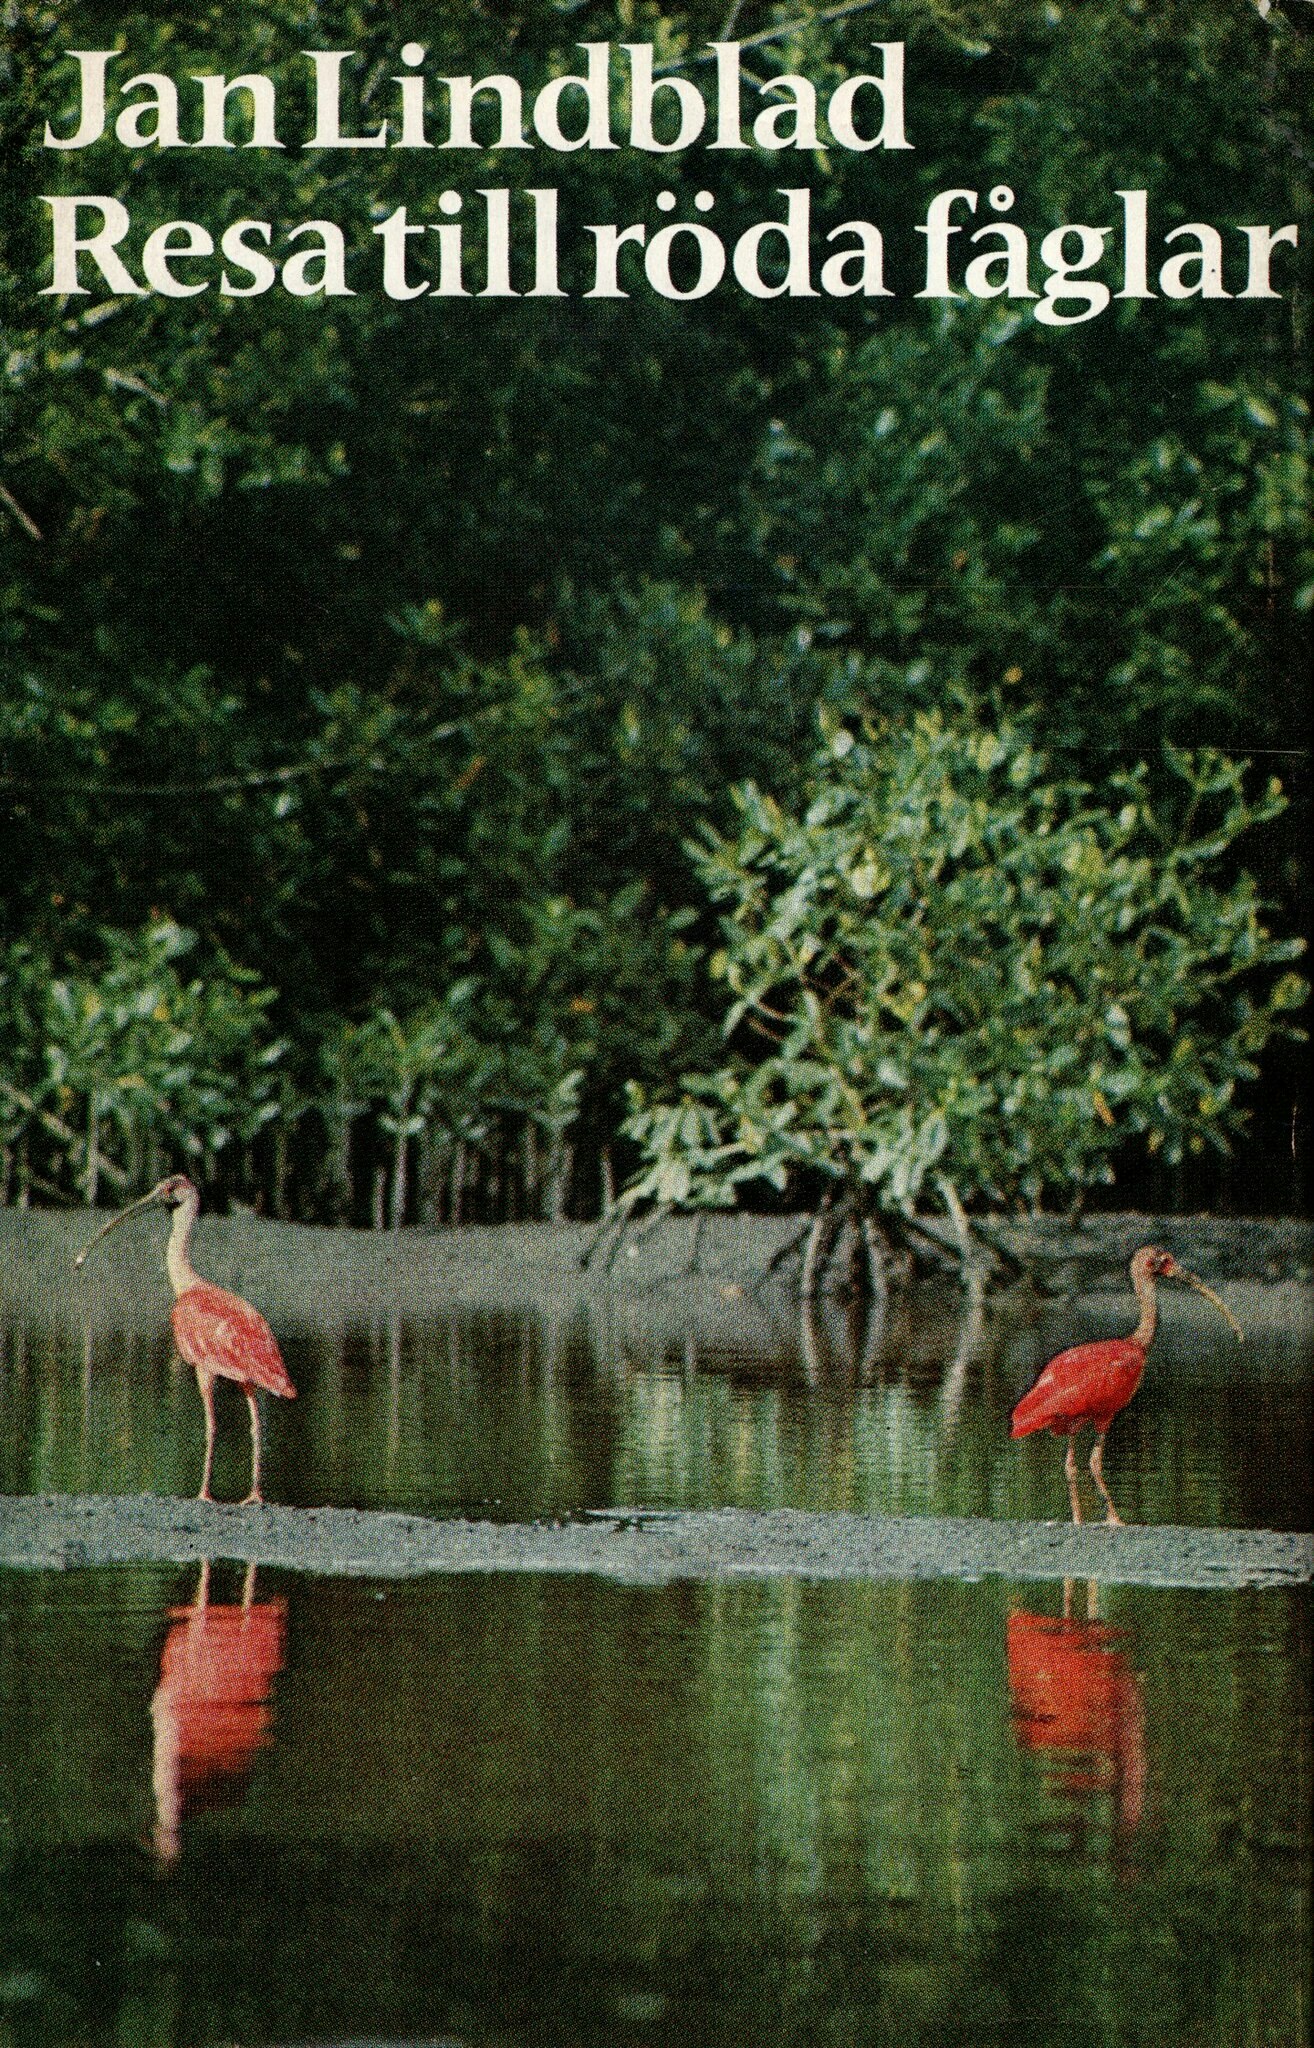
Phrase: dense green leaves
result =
(107, 1068)
(953, 977)
(393, 647)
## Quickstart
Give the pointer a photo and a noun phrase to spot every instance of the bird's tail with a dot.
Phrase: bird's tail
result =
(1033, 1411)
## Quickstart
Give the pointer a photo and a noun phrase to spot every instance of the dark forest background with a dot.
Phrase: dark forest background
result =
(366, 668)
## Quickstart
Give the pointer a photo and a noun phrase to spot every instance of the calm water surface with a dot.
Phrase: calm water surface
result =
(688, 1396)
(265, 1808)
(522, 1810)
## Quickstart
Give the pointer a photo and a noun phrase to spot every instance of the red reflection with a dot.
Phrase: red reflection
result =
(211, 1711)
(1075, 1696)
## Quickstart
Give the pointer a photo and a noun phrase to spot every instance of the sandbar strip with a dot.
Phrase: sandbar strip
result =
(638, 1546)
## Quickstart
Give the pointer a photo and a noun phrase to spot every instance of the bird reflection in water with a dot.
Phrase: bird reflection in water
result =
(212, 1711)
(1076, 1698)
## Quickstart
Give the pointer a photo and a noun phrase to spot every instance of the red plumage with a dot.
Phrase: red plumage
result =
(1087, 1383)
(220, 1335)
(217, 1332)
(1094, 1382)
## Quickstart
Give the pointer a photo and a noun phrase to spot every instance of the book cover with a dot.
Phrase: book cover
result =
(654, 760)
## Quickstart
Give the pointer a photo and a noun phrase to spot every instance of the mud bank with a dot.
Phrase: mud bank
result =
(284, 1266)
(640, 1546)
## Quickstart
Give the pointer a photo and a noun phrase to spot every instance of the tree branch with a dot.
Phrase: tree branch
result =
(29, 525)
(769, 35)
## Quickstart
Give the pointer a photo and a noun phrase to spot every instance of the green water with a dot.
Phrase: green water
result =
(530, 1810)
(519, 1412)
(527, 1810)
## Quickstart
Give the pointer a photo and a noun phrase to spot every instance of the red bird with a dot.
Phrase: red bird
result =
(1093, 1382)
(220, 1335)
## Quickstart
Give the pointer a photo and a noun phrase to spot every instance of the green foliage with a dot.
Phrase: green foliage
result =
(112, 1066)
(954, 976)
(950, 502)
(394, 647)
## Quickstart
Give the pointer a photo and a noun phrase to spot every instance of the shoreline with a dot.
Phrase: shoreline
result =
(640, 1547)
(522, 1263)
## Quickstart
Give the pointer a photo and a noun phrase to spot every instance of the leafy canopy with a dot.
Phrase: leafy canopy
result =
(951, 973)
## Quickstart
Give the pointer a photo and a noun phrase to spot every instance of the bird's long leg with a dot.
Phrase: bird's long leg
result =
(1070, 1468)
(252, 1403)
(206, 1385)
(1097, 1474)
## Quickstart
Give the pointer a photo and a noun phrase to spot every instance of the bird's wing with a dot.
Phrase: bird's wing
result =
(1088, 1383)
(219, 1332)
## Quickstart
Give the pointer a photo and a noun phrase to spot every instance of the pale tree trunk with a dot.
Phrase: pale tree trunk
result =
(826, 1226)
(93, 1149)
(561, 1159)
(397, 1212)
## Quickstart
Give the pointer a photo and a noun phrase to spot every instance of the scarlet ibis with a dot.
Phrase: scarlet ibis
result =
(1093, 1382)
(220, 1335)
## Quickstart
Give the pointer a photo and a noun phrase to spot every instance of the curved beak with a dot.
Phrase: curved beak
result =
(133, 1209)
(1193, 1280)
